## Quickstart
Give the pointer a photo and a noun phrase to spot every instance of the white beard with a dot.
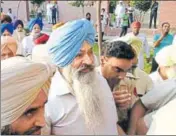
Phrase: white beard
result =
(88, 95)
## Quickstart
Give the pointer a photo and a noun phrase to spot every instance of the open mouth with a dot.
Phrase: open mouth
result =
(86, 70)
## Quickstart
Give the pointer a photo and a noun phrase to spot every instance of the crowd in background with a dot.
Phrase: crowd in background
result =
(54, 84)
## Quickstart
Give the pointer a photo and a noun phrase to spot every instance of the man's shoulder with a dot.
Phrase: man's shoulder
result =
(170, 36)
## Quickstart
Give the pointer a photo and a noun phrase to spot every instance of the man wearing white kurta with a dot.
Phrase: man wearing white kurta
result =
(119, 12)
(80, 101)
(49, 12)
(166, 60)
(145, 47)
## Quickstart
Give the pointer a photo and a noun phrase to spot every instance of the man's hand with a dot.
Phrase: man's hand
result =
(164, 34)
(122, 98)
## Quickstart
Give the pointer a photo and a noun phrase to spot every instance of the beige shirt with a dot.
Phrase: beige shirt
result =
(138, 84)
(63, 116)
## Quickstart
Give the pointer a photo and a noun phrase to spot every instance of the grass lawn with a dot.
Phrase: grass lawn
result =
(147, 66)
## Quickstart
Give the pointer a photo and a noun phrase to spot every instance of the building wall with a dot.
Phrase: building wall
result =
(20, 12)
(66, 11)
(168, 12)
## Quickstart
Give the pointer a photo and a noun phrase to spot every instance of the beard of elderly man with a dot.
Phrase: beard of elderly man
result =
(80, 99)
(24, 95)
(82, 76)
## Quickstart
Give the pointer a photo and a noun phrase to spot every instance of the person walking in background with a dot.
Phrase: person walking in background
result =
(119, 12)
(130, 12)
(9, 13)
(105, 15)
(39, 13)
(160, 41)
(54, 14)
(57, 10)
(136, 26)
(103, 25)
(153, 14)
(125, 19)
(49, 12)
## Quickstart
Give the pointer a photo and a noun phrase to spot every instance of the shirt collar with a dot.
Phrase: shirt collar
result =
(59, 86)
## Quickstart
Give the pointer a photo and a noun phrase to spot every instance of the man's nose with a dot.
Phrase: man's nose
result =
(89, 60)
(40, 119)
(122, 75)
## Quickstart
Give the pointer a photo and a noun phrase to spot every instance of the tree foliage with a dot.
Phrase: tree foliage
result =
(141, 5)
(37, 2)
(81, 3)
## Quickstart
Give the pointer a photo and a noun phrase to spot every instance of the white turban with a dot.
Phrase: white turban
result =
(21, 82)
(167, 56)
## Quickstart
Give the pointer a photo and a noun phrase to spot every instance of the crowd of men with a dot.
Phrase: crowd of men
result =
(54, 85)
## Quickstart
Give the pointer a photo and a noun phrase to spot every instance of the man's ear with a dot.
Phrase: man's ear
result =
(103, 60)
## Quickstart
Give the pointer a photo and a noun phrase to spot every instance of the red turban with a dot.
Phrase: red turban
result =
(136, 24)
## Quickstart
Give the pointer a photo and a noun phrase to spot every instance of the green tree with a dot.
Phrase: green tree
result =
(143, 6)
(37, 2)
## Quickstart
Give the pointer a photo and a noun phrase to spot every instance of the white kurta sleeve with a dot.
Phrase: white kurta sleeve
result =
(159, 95)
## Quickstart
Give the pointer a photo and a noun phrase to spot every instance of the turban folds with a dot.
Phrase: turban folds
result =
(34, 21)
(136, 24)
(16, 23)
(21, 82)
(66, 41)
(9, 42)
(167, 56)
(8, 27)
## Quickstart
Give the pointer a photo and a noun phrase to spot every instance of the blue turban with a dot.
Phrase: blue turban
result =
(66, 41)
(8, 27)
(34, 21)
(16, 23)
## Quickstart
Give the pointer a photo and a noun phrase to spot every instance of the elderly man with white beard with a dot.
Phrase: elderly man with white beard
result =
(80, 101)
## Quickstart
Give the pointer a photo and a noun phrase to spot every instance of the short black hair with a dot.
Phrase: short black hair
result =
(165, 23)
(103, 9)
(88, 14)
(6, 18)
(118, 49)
